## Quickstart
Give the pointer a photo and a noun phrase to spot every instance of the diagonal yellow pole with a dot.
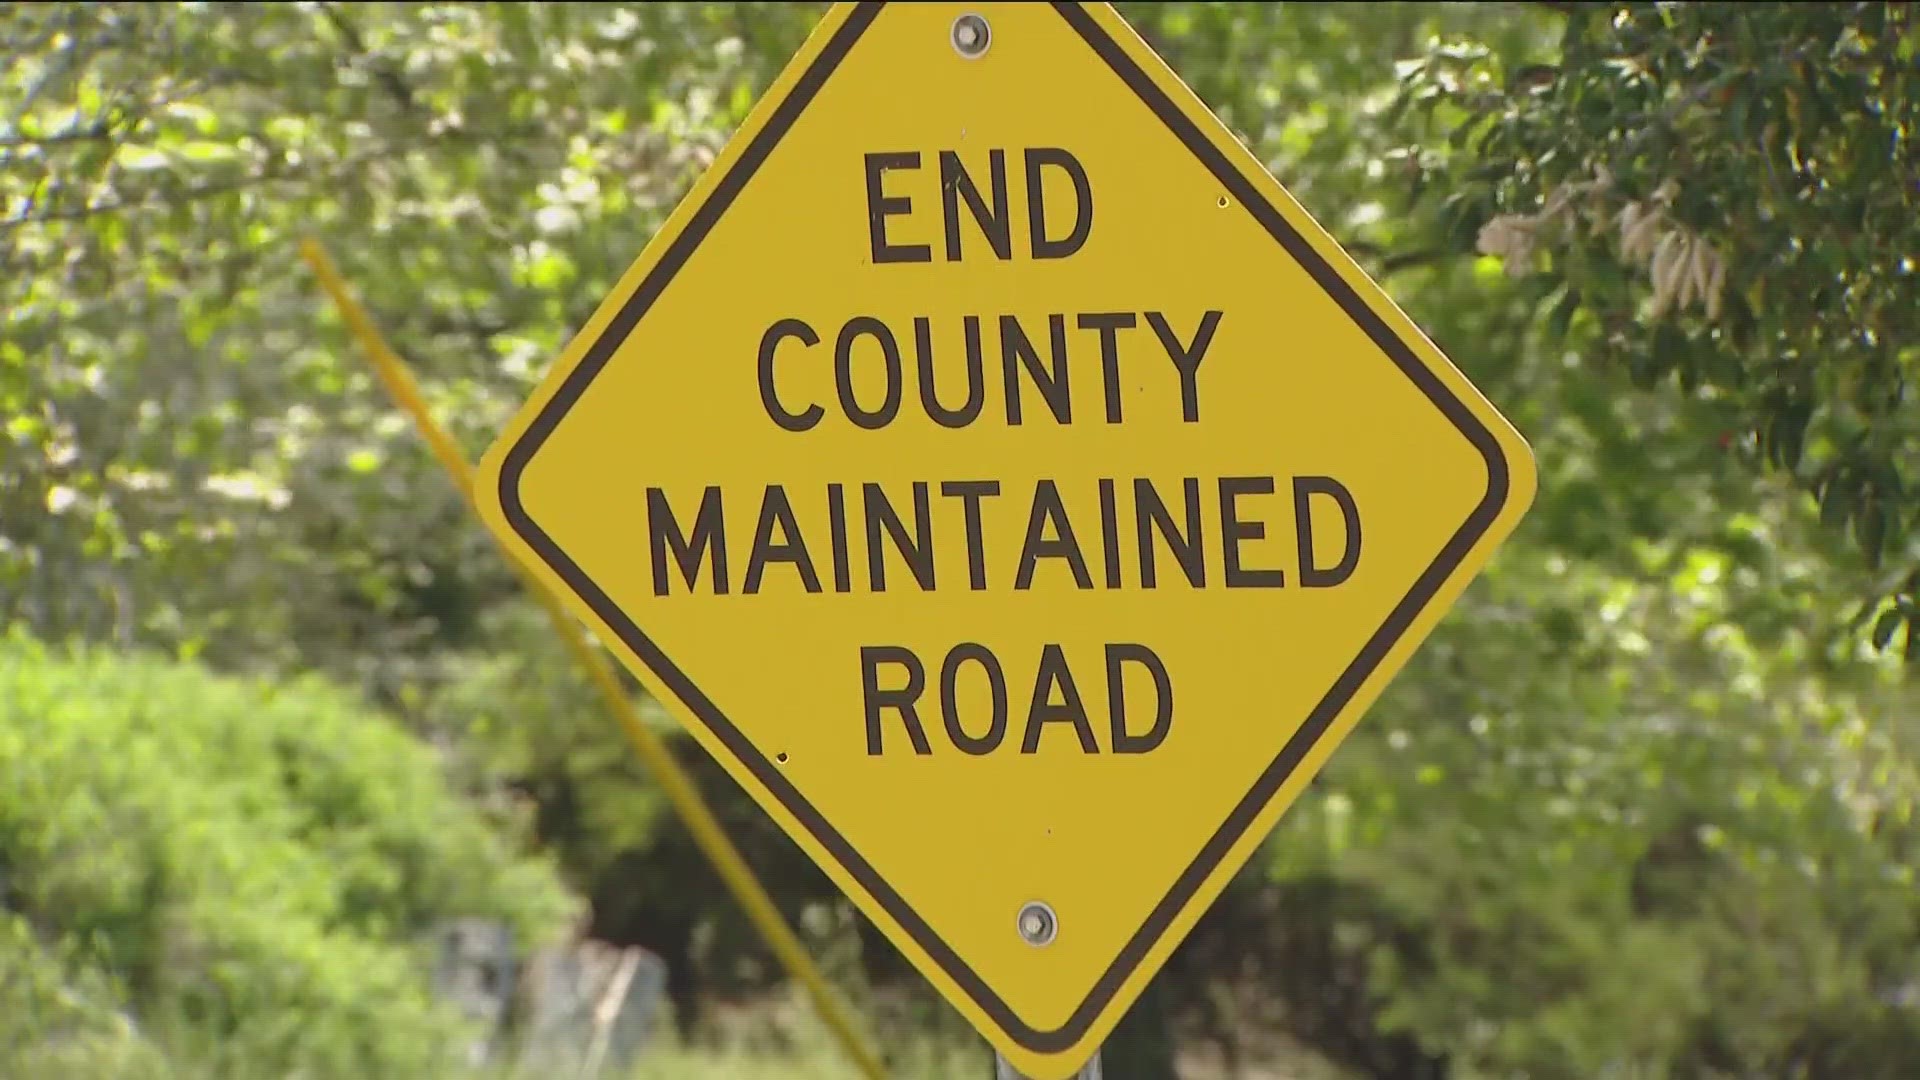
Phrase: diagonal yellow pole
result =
(653, 753)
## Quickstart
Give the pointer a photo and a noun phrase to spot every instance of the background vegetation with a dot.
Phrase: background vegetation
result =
(1642, 808)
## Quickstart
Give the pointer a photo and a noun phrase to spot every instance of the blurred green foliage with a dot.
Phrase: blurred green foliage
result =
(259, 868)
(61, 1017)
(1643, 807)
(1718, 200)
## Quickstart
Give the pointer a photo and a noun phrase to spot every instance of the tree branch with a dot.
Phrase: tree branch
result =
(98, 131)
(155, 200)
(87, 210)
(396, 87)
(1397, 261)
(1407, 260)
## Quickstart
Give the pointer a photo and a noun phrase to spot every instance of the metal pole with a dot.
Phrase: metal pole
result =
(653, 752)
(1004, 1070)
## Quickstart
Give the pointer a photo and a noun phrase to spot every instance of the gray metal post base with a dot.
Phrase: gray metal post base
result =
(1002, 1070)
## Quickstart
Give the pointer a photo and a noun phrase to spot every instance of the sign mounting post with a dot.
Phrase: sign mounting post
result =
(1004, 1070)
(1007, 481)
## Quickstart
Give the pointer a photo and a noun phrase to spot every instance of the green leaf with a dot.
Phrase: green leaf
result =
(1560, 318)
(1836, 497)
(1787, 435)
(1870, 532)
(1884, 627)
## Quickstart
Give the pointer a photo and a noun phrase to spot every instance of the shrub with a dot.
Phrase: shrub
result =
(254, 865)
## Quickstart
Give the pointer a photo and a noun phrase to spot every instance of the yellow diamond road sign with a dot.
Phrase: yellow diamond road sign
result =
(1013, 487)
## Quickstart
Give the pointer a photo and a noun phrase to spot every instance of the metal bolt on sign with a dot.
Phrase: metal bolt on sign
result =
(1038, 924)
(971, 36)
